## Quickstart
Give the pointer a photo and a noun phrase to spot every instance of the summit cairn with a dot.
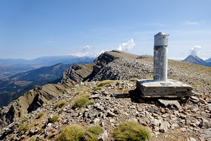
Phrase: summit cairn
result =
(160, 86)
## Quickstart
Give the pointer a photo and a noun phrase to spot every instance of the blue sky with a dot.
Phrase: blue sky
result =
(33, 28)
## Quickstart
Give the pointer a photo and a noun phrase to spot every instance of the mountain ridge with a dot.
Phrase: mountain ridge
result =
(112, 103)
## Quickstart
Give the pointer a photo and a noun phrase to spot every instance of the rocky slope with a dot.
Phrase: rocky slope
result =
(117, 102)
(30, 101)
(113, 104)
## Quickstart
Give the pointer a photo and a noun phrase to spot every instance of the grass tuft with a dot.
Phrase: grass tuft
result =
(97, 88)
(47, 105)
(25, 119)
(132, 79)
(105, 82)
(71, 133)
(54, 118)
(92, 133)
(80, 102)
(23, 127)
(70, 100)
(132, 131)
(40, 115)
(60, 103)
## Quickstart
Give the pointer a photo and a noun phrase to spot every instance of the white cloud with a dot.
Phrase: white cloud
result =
(195, 50)
(88, 51)
(86, 48)
(192, 23)
(127, 46)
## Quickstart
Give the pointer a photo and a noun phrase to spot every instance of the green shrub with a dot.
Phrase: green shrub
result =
(97, 88)
(104, 83)
(54, 118)
(40, 115)
(92, 133)
(60, 103)
(47, 105)
(71, 133)
(80, 102)
(131, 131)
(23, 127)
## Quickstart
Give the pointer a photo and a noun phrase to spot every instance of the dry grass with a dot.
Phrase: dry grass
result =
(71, 133)
(131, 131)
(54, 118)
(40, 115)
(102, 83)
(92, 133)
(60, 103)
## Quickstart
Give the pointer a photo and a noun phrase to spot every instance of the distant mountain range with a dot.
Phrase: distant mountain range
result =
(9, 67)
(197, 60)
(14, 85)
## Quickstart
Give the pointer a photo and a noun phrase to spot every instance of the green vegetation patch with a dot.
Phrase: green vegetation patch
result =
(102, 83)
(40, 115)
(92, 133)
(60, 103)
(23, 127)
(25, 119)
(54, 118)
(47, 105)
(132, 79)
(32, 139)
(131, 131)
(80, 102)
(97, 88)
(70, 100)
(71, 133)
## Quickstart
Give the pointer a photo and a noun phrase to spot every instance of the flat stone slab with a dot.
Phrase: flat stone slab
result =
(170, 88)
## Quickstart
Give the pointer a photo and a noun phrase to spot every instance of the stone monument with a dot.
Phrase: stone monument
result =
(160, 86)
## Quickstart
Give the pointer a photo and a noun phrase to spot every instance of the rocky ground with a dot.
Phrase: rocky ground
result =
(113, 104)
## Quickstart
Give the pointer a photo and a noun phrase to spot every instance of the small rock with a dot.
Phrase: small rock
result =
(110, 114)
(164, 126)
(194, 99)
(166, 103)
(192, 139)
(103, 136)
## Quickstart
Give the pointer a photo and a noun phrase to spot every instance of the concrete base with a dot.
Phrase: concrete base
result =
(168, 89)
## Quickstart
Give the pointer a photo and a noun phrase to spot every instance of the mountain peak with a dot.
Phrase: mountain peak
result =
(195, 60)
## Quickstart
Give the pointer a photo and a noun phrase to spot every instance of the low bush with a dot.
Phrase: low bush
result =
(60, 103)
(54, 118)
(105, 82)
(40, 115)
(71, 133)
(131, 131)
